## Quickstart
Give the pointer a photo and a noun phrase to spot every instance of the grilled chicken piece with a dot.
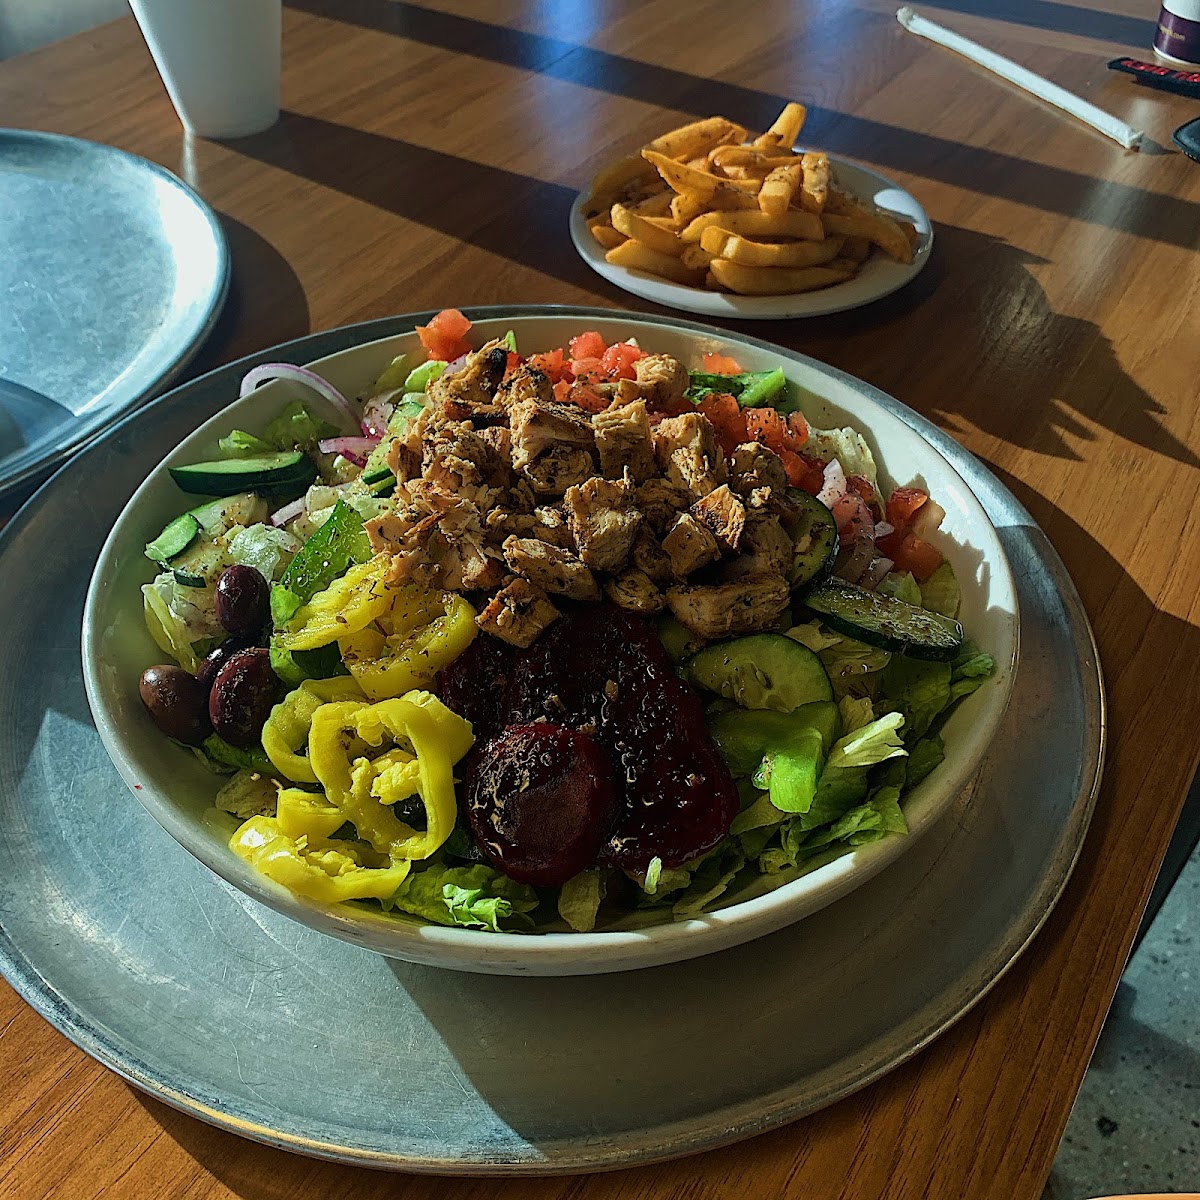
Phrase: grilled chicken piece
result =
(754, 466)
(474, 384)
(724, 515)
(552, 568)
(651, 559)
(603, 521)
(635, 590)
(690, 546)
(545, 524)
(457, 456)
(662, 380)
(553, 471)
(623, 440)
(766, 543)
(525, 383)
(747, 606)
(687, 452)
(540, 425)
(661, 502)
(517, 613)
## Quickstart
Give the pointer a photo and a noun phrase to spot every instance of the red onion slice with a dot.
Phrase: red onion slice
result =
(882, 529)
(287, 513)
(356, 449)
(835, 484)
(859, 558)
(876, 573)
(456, 366)
(269, 371)
(375, 417)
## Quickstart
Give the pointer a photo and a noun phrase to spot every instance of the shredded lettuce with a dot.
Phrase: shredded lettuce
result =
(814, 635)
(856, 712)
(940, 592)
(902, 586)
(421, 377)
(476, 897)
(871, 744)
(267, 549)
(237, 443)
(181, 620)
(922, 758)
(849, 447)
(919, 690)
(579, 900)
(248, 794)
(393, 377)
(297, 428)
(711, 879)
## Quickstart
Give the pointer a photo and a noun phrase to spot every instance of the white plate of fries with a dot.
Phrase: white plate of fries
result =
(710, 219)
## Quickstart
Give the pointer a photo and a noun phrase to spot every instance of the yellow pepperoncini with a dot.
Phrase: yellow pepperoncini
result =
(287, 728)
(425, 632)
(347, 605)
(420, 740)
(294, 849)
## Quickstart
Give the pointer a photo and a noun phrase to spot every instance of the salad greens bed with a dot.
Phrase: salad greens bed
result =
(825, 732)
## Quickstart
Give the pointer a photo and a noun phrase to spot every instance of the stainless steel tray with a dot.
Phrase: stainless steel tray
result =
(241, 1017)
(112, 273)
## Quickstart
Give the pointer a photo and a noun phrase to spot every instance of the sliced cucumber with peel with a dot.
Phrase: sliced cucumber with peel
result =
(814, 539)
(286, 473)
(885, 622)
(175, 538)
(764, 670)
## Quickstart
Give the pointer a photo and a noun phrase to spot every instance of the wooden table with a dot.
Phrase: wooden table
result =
(428, 156)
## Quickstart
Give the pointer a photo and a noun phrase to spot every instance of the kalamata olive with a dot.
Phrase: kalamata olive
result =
(243, 601)
(541, 802)
(215, 659)
(177, 703)
(242, 696)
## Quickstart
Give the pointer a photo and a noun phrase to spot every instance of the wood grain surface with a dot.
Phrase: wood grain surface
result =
(428, 156)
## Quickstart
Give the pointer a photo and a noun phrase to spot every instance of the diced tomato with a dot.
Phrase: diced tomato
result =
(727, 419)
(587, 345)
(587, 396)
(588, 368)
(813, 479)
(561, 388)
(902, 506)
(440, 347)
(862, 485)
(553, 365)
(766, 426)
(451, 324)
(720, 364)
(798, 428)
(619, 358)
(910, 553)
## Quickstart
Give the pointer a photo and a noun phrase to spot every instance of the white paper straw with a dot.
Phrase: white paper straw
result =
(1097, 118)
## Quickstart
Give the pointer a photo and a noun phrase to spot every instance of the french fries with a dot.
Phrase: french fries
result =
(708, 205)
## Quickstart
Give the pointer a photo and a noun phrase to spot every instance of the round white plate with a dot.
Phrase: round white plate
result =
(879, 277)
(215, 1004)
(178, 791)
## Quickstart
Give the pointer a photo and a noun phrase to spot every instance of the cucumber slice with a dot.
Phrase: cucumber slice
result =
(186, 579)
(765, 670)
(200, 564)
(885, 622)
(289, 471)
(814, 539)
(677, 641)
(174, 539)
(219, 516)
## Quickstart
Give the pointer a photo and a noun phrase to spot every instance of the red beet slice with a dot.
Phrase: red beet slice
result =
(473, 685)
(540, 801)
(605, 671)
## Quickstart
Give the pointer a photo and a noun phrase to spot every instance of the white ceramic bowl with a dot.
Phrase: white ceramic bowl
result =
(177, 790)
(879, 276)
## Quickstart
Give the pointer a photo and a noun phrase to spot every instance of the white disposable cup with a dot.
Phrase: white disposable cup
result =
(219, 60)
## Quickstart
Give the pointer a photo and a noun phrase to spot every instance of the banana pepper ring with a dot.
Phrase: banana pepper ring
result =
(287, 728)
(428, 630)
(294, 849)
(363, 787)
(347, 605)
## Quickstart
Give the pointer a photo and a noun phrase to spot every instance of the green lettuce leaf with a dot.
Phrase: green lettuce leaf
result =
(475, 897)
(393, 377)
(856, 712)
(237, 443)
(297, 428)
(579, 900)
(919, 690)
(749, 388)
(940, 592)
(267, 549)
(814, 635)
(922, 758)
(711, 879)
(849, 447)
(902, 586)
(868, 745)
(421, 377)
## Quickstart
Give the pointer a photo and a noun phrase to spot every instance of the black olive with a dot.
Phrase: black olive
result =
(243, 601)
(177, 703)
(242, 696)
(215, 659)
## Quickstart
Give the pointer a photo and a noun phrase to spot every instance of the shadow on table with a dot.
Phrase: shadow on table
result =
(1130, 209)
(1056, 18)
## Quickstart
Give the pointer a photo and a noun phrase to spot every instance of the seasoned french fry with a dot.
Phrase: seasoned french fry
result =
(681, 177)
(846, 265)
(841, 202)
(607, 236)
(878, 229)
(747, 171)
(856, 249)
(909, 230)
(733, 156)
(685, 208)
(695, 139)
(778, 189)
(658, 205)
(633, 226)
(696, 257)
(767, 281)
(610, 180)
(785, 130)
(756, 223)
(814, 192)
(637, 256)
(723, 244)
(728, 199)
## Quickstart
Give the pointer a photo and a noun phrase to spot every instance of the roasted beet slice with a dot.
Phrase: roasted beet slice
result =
(605, 671)
(541, 802)
(473, 685)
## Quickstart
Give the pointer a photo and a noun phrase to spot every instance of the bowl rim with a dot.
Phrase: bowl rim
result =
(650, 945)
